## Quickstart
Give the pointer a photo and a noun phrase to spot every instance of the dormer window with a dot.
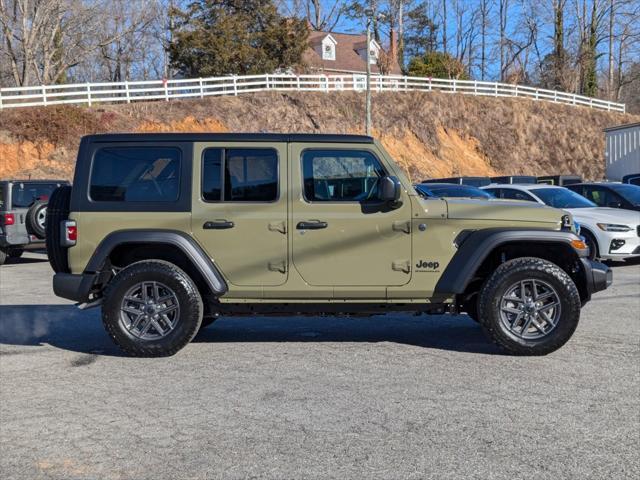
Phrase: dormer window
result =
(329, 52)
(329, 48)
(374, 51)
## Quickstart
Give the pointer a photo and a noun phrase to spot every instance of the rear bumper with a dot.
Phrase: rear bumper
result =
(73, 287)
(598, 276)
(11, 240)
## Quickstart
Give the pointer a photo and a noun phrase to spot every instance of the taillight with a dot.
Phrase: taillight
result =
(69, 233)
(9, 219)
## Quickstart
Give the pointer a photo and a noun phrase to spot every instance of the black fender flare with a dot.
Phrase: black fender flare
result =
(194, 252)
(475, 246)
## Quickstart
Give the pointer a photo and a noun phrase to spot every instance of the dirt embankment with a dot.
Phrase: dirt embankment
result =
(429, 134)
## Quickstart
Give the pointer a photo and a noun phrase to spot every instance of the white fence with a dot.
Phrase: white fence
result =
(96, 93)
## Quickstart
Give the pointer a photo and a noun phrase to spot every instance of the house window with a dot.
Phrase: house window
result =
(328, 51)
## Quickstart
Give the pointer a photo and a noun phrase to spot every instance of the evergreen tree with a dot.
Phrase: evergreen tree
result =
(241, 37)
(437, 65)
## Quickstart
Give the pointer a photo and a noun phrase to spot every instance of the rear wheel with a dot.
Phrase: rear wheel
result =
(529, 306)
(3, 256)
(152, 309)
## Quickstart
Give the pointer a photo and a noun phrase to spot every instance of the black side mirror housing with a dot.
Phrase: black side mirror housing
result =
(390, 190)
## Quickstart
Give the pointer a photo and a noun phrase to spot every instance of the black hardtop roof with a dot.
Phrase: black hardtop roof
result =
(229, 137)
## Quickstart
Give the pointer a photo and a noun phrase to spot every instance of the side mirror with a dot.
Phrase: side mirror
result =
(390, 189)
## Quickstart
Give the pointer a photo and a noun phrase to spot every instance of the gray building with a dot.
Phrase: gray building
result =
(622, 151)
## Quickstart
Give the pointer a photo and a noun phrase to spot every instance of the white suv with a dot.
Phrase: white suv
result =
(611, 233)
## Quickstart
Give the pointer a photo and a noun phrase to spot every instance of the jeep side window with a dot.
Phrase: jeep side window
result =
(135, 174)
(243, 174)
(340, 175)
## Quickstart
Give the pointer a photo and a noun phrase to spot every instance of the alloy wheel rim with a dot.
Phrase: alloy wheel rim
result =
(530, 309)
(150, 310)
(41, 217)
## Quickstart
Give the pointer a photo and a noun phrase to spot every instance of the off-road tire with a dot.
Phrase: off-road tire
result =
(15, 252)
(57, 211)
(32, 224)
(189, 300)
(523, 269)
(3, 256)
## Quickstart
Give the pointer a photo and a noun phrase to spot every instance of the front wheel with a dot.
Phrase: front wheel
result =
(152, 308)
(529, 306)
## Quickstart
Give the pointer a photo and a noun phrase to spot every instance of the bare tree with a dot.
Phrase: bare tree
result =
(44, 39)
(323, 15)
(485, 11)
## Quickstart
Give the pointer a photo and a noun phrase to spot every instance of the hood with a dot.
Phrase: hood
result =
(605, 215)
(511, 210)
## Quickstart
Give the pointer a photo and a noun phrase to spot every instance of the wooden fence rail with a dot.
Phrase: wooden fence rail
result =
(96, 93)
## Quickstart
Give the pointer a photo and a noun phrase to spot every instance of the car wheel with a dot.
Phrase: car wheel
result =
(152, 309)
(37, 219)
(591, 243)
(529, 306)
(16, 252)
(3, 256)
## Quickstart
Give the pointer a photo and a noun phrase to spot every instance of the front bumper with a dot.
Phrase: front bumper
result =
(619, 245)
(74, 287)
(598, 276)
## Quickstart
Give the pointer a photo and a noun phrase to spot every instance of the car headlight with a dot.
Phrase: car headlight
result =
(613, 227)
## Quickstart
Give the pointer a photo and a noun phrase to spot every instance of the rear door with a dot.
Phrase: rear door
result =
(342, 236)
(240, 210)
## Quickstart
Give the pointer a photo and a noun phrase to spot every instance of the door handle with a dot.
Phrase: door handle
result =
(218, 225)
(312, 225)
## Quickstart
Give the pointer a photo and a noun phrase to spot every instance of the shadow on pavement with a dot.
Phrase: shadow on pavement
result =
(24, 260)
(68, 328)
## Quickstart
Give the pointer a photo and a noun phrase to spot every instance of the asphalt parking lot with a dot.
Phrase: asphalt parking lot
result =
(385, 397)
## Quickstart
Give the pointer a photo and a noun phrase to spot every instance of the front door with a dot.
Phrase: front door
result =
(240, 217)
(342, 235)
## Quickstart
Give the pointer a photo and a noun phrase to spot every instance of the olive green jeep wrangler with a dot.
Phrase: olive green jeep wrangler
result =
(169, 231)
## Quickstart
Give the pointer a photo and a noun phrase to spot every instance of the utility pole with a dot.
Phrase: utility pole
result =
(368, 94)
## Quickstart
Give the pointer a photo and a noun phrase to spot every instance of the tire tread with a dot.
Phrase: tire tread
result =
(524, 264)
(137, 349)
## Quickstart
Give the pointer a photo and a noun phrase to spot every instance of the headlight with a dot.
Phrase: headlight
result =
(613, 227)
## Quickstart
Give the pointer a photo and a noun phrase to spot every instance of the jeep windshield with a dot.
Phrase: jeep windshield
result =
(24, 194)
(562, 198)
